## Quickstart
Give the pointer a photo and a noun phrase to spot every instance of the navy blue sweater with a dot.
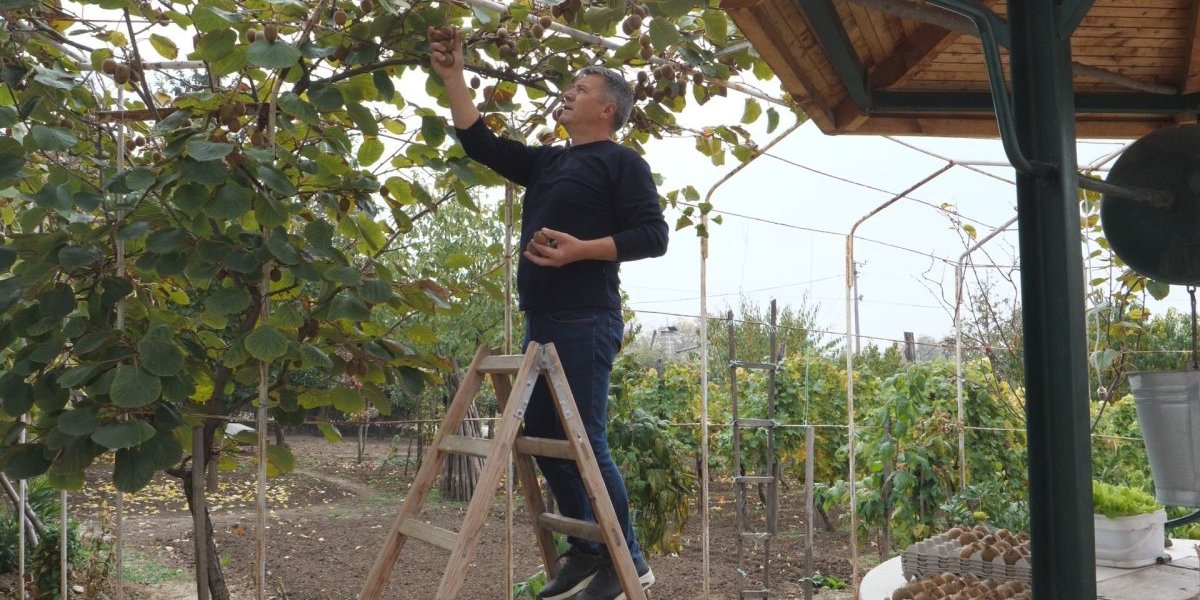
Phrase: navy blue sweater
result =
(590, 191)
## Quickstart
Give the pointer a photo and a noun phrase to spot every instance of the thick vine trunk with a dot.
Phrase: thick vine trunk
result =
(216, 577)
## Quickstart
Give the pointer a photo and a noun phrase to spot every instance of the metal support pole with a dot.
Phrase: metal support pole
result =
(1056, 380)
(958, 370)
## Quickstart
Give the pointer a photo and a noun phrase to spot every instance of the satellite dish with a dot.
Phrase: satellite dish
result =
(1159, 241)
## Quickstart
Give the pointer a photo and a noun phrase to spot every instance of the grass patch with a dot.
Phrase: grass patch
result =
(142, 569)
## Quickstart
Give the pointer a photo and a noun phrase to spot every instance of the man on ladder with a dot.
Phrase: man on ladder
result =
(587, 207)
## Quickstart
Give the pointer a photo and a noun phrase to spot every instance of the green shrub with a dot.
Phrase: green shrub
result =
(1115, 501)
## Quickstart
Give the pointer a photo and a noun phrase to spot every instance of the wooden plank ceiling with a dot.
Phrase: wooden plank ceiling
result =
(1136, 65)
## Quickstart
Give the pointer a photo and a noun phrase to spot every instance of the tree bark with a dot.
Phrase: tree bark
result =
(216, 577)
(462, 471)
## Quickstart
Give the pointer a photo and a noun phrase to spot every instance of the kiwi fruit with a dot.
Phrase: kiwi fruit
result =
(122, 73)
(270, 32)
(109, 66)
(340, 17)
(367, 5)
(545, 21)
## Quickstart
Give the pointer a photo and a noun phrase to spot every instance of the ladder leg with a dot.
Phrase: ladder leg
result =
(494, 467)
(425, 478)
(534, 503)
(589, 471)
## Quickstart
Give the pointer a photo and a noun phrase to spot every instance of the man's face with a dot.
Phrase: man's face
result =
(585, 103)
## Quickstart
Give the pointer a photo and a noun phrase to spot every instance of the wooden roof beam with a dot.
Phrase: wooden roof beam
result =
(1191, 77)
(916, 51)
(826, 26)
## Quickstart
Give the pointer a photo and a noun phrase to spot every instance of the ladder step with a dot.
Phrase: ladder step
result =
(573, 527)
(535, 446)
(501, 363)
(471, 446)
(753, 365)
(756, 593)
(756, 423)
(756, 536)
(442, 538)
(749, 479)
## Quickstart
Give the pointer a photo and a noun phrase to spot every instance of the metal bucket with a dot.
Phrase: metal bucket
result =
(1168, 407)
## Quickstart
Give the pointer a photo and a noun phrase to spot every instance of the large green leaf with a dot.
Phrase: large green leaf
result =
(133, 470)
(370, 151)
(73, 258)
(160, 357)
(315, 357)
(231, 202)
(133, 388)
(123, 435)
(58, 301)
(227, 301)
(76, 376)
(279, 55)
(663, 33)
(280, 460)
(164, 46)
(276, 180)
(283, 251)
(83, 420)
(24, 461)
(266, 343)
(52, 138)
(208, 18)
(376, 291)
(367, 122)
(325, 98)
(12, 158)
(202, 149)
(348, 400)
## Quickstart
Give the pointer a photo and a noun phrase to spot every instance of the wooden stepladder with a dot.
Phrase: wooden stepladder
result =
(513, 377)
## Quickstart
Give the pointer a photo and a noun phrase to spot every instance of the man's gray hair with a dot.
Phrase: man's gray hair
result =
(617, 91)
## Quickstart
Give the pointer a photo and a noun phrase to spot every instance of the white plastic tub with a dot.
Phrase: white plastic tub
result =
(1129, 542)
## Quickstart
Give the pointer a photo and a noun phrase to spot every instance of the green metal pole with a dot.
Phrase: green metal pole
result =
(1056, 397)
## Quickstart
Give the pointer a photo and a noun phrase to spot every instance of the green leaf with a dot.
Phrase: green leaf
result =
(81, 421)
(459, 260)
(231, 202)
(1157, 289)
(208, 18)
(133, 470)
(348, 400)
(76, 376)
(772, 119)
(276, 180)
(164, 46)
(370, 151)
(279, 55)
(325, 98)
(266, 343)
(52, 138)
(366, 121)
(123, 435)
(134, 388)
(8, 256)
(280, 460)
(139, 179)
(351, 309)
(344, 275)
(291, 103)
(752, 112)
(166, 241)
(227, 301)
(160, 357)
(376, 291)
(203, 150)
(282, 250)
(59, 301)
(663, 33)
(24, 461)
(331, 433)
(73, 258)
(315, 357)
(433, 130)
(383, 83)
(716, 27)
(12, 158)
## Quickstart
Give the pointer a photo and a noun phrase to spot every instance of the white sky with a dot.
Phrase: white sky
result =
(901, 290)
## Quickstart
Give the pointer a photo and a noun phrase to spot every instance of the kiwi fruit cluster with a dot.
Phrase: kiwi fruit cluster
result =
(990, 544)
(121, 73)
(633, 23)
(964, 587)
(443, 34)
(568, 10)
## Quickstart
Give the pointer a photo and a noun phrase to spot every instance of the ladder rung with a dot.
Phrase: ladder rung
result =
(756, 536)
(501, 363)
(442, 538)
(471, 446)
(756, 593)
(756, 423)
(753, 479)
(573, 527)
(753, 365)
(535, 446)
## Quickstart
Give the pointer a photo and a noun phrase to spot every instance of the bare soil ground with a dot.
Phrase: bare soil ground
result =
(329, 519)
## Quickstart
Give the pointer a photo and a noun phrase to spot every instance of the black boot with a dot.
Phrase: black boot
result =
(576, 569)
(606, 585)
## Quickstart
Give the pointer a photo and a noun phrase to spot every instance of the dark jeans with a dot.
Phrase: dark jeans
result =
(587, 341)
